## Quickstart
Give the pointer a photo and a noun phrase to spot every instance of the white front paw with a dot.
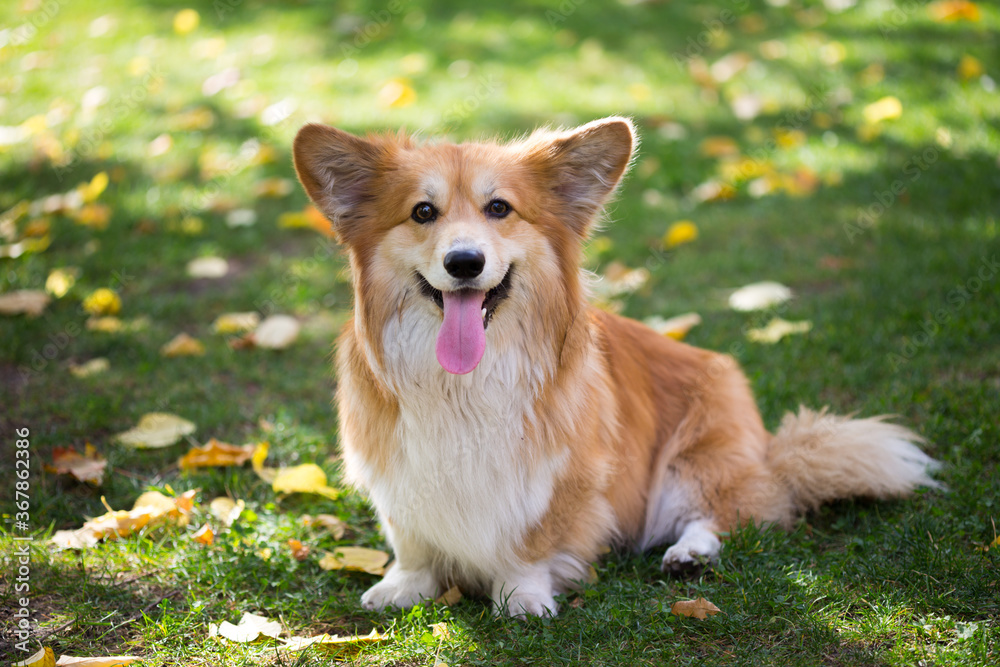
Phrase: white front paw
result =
(400, 589)
(523, 604)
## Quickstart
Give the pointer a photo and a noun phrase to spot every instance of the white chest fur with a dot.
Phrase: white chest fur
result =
(462, 479)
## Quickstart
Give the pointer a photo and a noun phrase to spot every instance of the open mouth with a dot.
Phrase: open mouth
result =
(492, 299)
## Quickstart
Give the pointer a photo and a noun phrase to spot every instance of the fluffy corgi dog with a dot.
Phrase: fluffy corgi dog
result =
(505, 431)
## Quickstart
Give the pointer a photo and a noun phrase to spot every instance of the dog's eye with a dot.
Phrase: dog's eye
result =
(497, 208)
(424, 212)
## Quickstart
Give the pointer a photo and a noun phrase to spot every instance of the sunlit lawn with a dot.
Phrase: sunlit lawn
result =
(848, 150)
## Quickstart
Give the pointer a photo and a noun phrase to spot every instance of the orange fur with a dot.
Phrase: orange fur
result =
(585, 427)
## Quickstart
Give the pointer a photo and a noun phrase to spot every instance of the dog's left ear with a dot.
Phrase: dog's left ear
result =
(581, 168)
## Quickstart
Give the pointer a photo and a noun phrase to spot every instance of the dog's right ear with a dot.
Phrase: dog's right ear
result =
(338, 171)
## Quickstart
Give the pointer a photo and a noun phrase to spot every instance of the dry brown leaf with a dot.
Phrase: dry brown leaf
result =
(358, 559)
(204, 535)
(450, 597)
(24, 302)
(87, 466)
(700, 608)
(333, 524)
(216, 454)
(299, 551)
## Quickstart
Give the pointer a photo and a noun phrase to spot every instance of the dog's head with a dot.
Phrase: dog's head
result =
(478, 232)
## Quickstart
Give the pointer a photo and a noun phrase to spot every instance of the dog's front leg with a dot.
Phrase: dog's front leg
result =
(408, 581)
(526, 591)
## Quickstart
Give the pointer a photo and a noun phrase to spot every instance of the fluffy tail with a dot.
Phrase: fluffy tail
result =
(818, 457)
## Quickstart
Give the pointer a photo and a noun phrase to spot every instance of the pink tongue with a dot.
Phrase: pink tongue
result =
(461, 340)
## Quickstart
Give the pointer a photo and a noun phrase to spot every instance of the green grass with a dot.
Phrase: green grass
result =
(857, 583)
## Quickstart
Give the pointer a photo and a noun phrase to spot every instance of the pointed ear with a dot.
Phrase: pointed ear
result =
(338, 172)
(581, 168)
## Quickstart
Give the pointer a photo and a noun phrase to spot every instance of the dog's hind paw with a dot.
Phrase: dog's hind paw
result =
(400, 589)
(697, 549)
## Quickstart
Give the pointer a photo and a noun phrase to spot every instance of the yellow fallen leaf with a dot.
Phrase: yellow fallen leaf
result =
(185, 21)
(276, 332)
(226, 510)
(758, 296)
(718, 146)
(61, 281)
(92, 190)
(450, 597)
(103, 301)
(273, 187)
(207, 267)
(155, 430)
(183, 345)
(887, 108)
(328, 522)
(257, 461)
(334, 642)
(107, 324)
(193, 120)
(107, 661)
(293, 220)
(24, 247)
(43, 658)
(953, 10)
(95, 216)
(675, 327)
(250, 628)
(216, 454)
(27, 302)
(91, 367)
(396, 94)
(700, 608)
(969, 67)
(777, 329)
(305, 478)
(682, 231)
(204, 535)
(357, 559)
(150, 509)
(87, 466)
(230, 323)
(440, 630)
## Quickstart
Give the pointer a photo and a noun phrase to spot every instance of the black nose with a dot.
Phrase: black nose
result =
(464, 263)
